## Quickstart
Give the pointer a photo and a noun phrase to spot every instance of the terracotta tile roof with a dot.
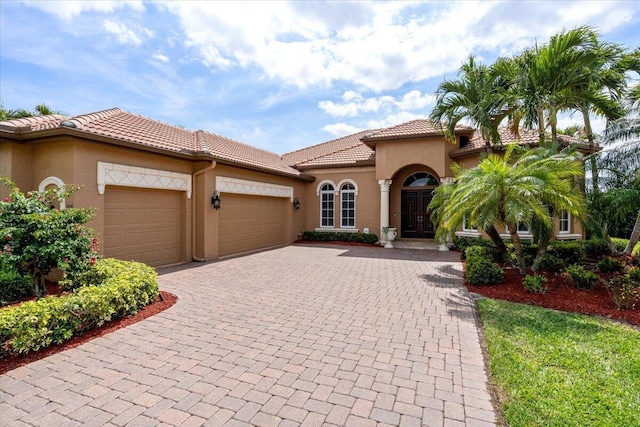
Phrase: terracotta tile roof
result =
(32, 123)
(413, 128)
(125, 126)
(351, 156)
(328, 149)
(507, 136)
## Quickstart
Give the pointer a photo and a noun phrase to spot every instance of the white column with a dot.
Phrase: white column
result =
(385, 185)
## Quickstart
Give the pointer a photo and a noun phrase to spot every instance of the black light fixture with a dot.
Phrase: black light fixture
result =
(296, 204)
(215, 200)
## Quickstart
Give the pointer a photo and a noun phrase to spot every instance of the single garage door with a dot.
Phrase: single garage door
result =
(143, 225)
(251, 222)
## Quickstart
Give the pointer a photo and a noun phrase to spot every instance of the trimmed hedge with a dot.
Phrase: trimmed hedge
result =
(13, 286)
(126, 288)
(331, 236)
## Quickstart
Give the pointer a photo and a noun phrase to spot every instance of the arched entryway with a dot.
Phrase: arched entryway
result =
(415, 196)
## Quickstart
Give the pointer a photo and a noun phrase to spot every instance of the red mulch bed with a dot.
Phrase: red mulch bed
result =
(561, 296)
(15, 361)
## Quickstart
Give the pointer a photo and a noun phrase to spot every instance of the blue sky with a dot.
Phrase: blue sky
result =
(277, 75)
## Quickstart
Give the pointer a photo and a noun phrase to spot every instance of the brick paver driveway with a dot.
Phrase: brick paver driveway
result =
(307, 335)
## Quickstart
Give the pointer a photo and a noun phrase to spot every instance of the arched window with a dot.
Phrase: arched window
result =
(327, 205)
(420, 179)
(347, 205)
(55, 181)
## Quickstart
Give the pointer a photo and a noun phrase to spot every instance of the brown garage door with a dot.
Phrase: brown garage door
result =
(251, 222)
(143, 225)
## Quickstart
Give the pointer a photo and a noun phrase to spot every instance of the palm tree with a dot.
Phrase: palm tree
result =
(622, 167)
(41, 109)
(476, 96)
(542, 78)
(505, 193)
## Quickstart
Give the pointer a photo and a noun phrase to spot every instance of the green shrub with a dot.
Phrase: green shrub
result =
(126, 288)
(608, 264)
(596, 247)
(535, 284)
(571, 252)
(478, 251)
(481, 271)
(582, 278)
(330, 236)
(13, 286)
(624, 292)
(462, 243)
(634, 274)
(552, 264)
(621, 244)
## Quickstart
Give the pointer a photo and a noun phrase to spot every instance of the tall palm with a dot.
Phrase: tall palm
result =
(541, 78)
(475, 96)
(622, 167)
(41, 109)
(506, 193)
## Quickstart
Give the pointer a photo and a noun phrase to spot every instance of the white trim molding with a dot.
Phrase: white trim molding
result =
(52, 180)
(133, 176)
(350, 181)
(336, 230)
(226, 184)
(326, 181)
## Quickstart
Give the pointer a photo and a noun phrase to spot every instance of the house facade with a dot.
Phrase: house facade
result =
(153, 185)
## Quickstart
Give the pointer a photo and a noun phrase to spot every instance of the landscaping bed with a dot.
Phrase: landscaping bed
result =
(561, 295)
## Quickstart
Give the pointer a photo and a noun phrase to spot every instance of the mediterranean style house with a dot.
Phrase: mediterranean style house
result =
(164, 195)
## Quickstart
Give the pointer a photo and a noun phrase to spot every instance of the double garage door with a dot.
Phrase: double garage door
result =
(149, 225)
(144, 225)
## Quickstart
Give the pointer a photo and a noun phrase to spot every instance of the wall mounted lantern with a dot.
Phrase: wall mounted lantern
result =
(296, 204)
(215, 200)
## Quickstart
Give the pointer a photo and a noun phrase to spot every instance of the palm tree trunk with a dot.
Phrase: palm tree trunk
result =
(541, 126)
(553, 121)
(543, 244)
(635, 236)
(517, 244)
(501, 248)
(592, 148)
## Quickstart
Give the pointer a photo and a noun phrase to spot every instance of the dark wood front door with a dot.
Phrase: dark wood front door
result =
(415, 220)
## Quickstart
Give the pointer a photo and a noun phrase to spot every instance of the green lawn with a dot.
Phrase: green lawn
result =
(561, 369)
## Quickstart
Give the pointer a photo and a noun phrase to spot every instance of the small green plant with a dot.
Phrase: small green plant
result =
(582, 278)
(624, 291)
(462, 243)
(634, 274)
(535, 284)
(552, 264)
(481, 271)
(608, 265)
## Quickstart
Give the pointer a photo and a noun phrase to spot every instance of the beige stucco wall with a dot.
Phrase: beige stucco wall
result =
(367, 200)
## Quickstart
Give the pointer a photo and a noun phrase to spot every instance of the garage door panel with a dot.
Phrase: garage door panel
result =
(251, 222)
(143, 225)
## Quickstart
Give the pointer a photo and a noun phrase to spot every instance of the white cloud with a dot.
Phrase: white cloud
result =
(394, 119)
(124, 34)
(340, 129)
(69, 9)
(356, 104)
(374, 45)
(160, 57)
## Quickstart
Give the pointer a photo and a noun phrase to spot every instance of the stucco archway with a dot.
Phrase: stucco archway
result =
(411, 194)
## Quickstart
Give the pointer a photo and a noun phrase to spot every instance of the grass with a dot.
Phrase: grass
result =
(562, 369)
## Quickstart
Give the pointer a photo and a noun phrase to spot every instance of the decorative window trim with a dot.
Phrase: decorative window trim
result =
(225, 184)
(326, 181)
(53, 180)
(353, 191)
(468, 229)
(348, 181)
(336, 230)
(134, 176)
(333, 195)
(560, 221)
